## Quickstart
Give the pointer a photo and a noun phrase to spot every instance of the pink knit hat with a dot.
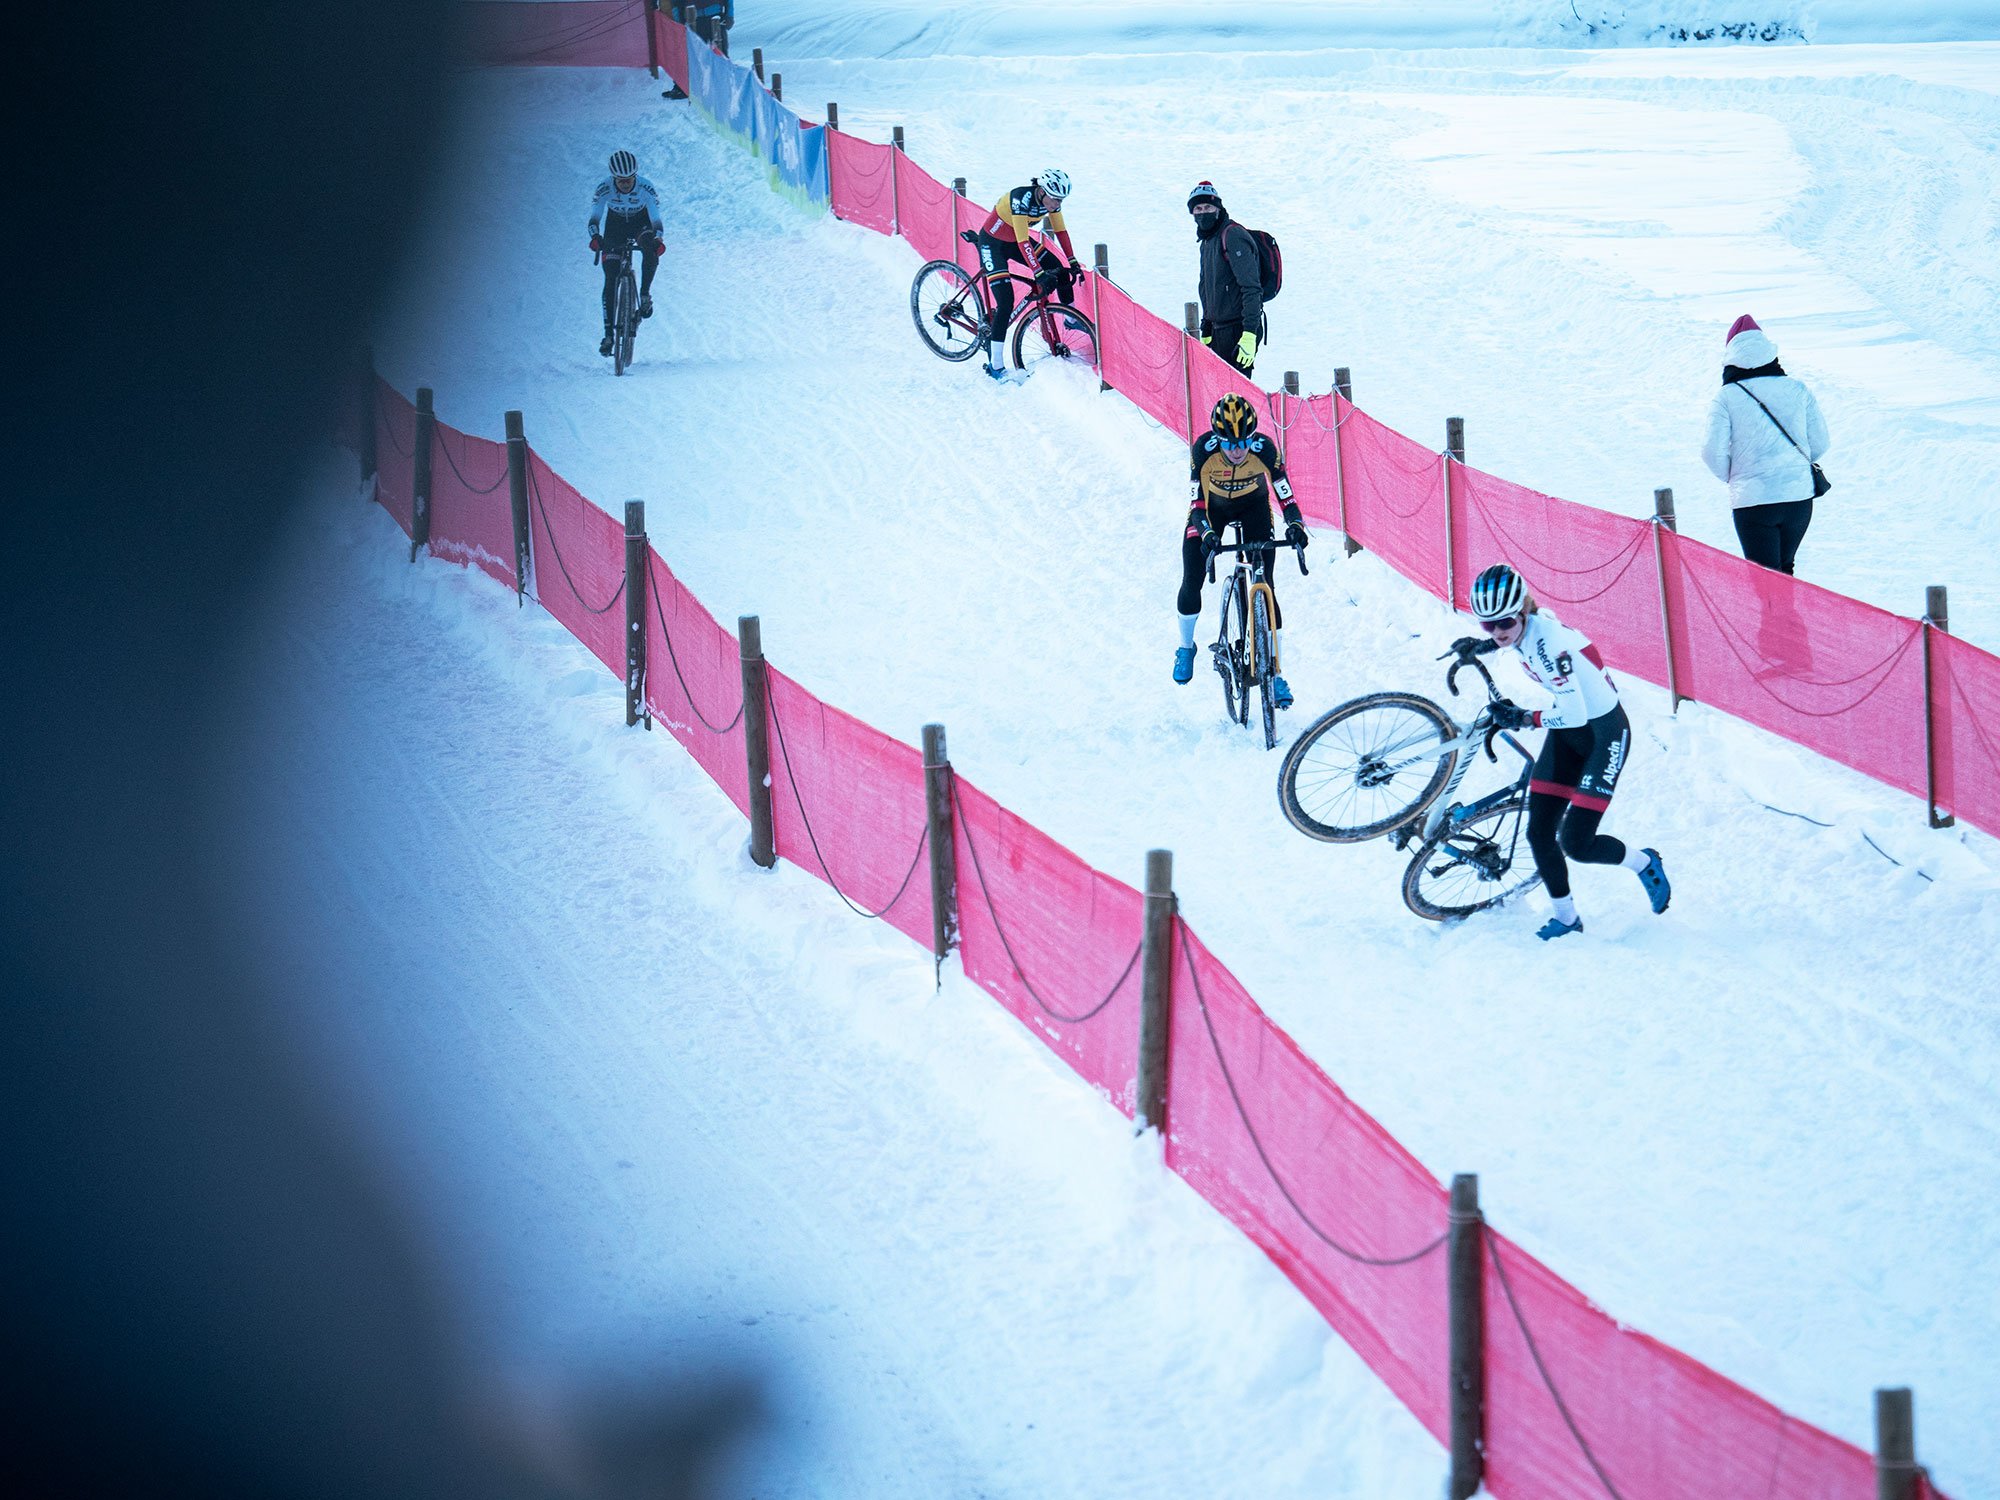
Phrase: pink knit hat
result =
(1746, 321)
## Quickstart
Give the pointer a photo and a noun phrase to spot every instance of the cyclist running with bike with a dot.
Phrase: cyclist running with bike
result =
(1006, 239)
(1233, 472)
(1578, 768)
(625, 210)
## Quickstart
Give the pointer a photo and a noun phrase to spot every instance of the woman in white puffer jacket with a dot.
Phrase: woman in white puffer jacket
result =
(1768, 470)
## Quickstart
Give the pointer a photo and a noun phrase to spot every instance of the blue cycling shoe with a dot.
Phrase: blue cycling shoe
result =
(1556, 927)
(1281, 692)
(1659, 890)
(1184, 664)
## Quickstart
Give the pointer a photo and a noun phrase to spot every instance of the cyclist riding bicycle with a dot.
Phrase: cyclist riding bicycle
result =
(1006, 238)
(1578, 768)
(625, 210)
(1233, 472)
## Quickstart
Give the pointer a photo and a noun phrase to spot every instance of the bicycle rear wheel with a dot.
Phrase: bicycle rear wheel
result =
(1467, 867)
(625, 313)
(1367, 767)
(1228, 652)
(949, 308)
(1261, 664)
(1055, 333)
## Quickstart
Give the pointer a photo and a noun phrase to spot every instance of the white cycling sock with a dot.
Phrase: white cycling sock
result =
(1565, 909)
(1187, 628)
(1635, 860)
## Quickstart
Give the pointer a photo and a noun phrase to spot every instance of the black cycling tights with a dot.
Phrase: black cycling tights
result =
(649, 250)
(1556, 827)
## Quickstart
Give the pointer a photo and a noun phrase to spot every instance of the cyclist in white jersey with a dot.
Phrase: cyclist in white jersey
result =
(1578, 768)
(625, 210)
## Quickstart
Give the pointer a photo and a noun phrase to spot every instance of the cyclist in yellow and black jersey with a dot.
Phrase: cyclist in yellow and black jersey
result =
(1234, 472)
(1005, 239)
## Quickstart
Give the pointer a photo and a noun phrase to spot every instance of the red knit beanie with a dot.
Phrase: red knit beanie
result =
(1746, 321)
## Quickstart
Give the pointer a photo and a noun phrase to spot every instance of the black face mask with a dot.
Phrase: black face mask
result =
(1207, 225)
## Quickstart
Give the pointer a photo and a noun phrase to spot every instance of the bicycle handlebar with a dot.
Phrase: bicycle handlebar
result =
(1273, 545)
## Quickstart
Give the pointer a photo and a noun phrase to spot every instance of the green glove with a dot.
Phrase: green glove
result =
(1206, 339)
(1246, 350)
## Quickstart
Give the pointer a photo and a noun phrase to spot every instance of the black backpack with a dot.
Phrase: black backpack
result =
(1270, 261)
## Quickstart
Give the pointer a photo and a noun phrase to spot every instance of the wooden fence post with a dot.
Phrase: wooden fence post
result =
(832, 115)
(1191, 322)
(1454, 452)
(1937, 616)
(1895, 1445)
(778, 87)
(1156, 991)
(957, 192)
(517, 500)
(757, 62)
(1343, 385)
(364, 438)
(635, 614)
(1101, 264)
(652, 40)
(1468, 1338)
(944, 856)
(756, 739)
(420, 473)
(895, 201)
(1664, 520)
(1291, 389)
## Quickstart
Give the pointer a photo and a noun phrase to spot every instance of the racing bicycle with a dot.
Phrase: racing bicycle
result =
(1388, 765)
(953, 309)
(624, 304)
(1245, 657)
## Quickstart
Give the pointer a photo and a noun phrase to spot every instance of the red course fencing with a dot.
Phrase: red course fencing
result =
(1575, 1404)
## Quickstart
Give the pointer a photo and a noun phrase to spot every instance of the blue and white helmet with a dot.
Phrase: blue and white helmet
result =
(1054, 183)
(624, 164)
(1498, 593)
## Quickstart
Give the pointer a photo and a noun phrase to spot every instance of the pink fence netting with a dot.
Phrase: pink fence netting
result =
(1596, 571)
(847, 805)
(472, 516)
(694, 681)
(1141, 358)
(395, 453)
(671, 41)
(1701, 1434)
(1395, 499)
(555, 33)
(1825, 671)
(1260, 1132)
(926, 211)
(970, 216)
(1054, 941)
(861, 178)
(1210, 378)
(1966, 695)
(579, 563)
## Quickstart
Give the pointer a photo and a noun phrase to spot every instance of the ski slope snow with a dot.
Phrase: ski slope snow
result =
(1755, 1127)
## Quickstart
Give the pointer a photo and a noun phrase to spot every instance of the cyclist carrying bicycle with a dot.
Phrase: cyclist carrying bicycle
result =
(1578, 768)
(1007, 238)
(1233, 472)
(625, 210)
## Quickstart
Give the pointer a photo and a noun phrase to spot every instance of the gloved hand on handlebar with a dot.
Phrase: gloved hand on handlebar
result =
(596, 243)
(1507, 714)
(1296, 534)
(1199, 529)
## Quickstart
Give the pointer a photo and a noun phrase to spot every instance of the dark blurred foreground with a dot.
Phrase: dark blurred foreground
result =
(205, 1292)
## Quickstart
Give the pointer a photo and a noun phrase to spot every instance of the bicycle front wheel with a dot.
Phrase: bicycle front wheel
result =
(1367, 767)
(1054, 333)
(949, 310)
(1467, 867)
(1266, 669)
(625, 315)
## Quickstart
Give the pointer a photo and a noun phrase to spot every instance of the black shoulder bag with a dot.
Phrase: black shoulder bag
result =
(1821, 484)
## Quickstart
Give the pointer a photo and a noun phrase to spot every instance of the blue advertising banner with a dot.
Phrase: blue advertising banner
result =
(740, 105)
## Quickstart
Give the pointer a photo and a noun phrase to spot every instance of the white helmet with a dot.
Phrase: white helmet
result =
(624, 164)
(1498, 593)
(1054, 183)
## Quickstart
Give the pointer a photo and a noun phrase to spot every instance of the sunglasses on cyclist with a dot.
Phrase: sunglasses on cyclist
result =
(1493, 626)
(625, 184)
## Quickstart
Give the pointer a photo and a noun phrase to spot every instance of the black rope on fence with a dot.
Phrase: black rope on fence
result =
(1236, 1098)
(986, 895)
(1972, 717)
(535, 486)
(582, 31)
(923, 838)
(446, 449)
(1514, 549)
(390, 428)
(1865, 838)
(674, 661)
(1882, 666)
(1493, 1250)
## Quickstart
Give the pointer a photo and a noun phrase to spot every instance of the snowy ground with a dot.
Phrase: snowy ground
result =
(1748, 1128)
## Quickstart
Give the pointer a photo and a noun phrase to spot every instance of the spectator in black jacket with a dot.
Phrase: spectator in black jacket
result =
(1232, 286)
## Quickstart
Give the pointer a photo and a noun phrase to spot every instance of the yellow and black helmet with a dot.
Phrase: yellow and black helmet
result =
(1234, 420)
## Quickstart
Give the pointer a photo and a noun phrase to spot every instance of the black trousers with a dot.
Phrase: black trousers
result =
(1255, 514)
(996, 254)
(1569, 793)
(617, 237)
(1771, 534)
(1226, 335)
